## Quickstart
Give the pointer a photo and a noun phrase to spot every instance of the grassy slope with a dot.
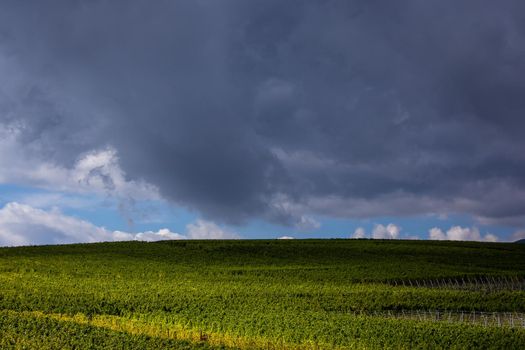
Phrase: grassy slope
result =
(261, 293)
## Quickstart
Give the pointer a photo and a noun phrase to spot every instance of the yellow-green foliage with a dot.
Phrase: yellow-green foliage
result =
(253, 294)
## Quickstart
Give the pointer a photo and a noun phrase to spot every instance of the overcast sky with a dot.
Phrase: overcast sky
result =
(261, 118)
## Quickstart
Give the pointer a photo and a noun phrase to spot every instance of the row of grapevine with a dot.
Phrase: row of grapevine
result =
(267, 294)
(25, 331)
(487, 319)
(359, 331)
(476, 283)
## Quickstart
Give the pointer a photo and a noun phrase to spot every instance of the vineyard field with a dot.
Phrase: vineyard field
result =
(263, 294)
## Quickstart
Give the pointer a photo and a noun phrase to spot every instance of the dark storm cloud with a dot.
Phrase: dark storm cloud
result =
(272, 109)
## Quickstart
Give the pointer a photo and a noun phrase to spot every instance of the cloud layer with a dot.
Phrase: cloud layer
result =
(24, 225)
(270, 109)
(458, 233)
(379, 231)
(455, 233)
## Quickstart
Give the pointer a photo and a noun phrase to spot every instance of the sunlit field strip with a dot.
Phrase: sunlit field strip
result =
(29, 331)
(174, 331)
(159, 328)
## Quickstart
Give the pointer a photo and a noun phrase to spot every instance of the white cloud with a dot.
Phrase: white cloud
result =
(161, 234)
(22, 224)
(286, 237)
(202, 229)
(520, 234)
(436, 234)
(391, 231)
(359, 233)
(458, 233)
(96, 172)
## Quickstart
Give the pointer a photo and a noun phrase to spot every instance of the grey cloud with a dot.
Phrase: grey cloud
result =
(395, 108)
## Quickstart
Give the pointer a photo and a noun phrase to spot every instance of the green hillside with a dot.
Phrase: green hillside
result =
(297, 294)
